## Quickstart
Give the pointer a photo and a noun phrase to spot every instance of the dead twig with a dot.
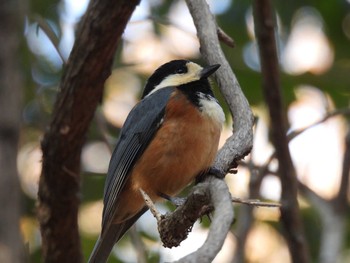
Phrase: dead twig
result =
(254, 202)
(151, 205)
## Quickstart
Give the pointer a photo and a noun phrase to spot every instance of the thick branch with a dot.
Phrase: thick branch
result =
(80, 92)
(265, 32)
(174, 228)
(241, 142)
(220, 225)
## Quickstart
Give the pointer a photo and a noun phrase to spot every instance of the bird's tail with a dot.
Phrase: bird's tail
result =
(109, 237)
(104, 244)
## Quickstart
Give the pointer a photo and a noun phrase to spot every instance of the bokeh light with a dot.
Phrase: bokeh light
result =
(90, 217)
(119, 98)
(29, 168)
(308, 49)
(95, 157)
(40, 44)
(318, 152)
(260, 249)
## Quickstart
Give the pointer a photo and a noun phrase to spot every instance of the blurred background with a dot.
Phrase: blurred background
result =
(314, 51)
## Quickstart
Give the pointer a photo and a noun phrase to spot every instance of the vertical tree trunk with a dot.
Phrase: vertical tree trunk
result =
(264, 20)
(11, 247)
(81, 90)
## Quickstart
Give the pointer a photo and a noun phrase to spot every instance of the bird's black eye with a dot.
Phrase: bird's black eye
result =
(181, 70)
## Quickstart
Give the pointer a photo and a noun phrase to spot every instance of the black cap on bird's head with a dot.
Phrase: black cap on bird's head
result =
(177, 72)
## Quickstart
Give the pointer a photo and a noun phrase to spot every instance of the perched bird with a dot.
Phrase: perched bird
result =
(169, 138)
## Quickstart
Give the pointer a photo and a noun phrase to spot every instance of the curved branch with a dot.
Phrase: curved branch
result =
(236, 147)
(241, 142)
(220, 225)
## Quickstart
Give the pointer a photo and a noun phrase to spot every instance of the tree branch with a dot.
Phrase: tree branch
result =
(246, 217)
(203, 198)
(290, 217)
(241, 142)
(333, 225)
(293, 134)
(80, 92)
(220, 225)
(174, 228)
(234, 149)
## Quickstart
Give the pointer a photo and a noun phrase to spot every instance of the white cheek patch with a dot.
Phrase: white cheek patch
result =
(210, 106)
(192, 74)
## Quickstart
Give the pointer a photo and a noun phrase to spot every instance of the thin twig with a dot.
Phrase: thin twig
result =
(295, 133)
(254, 202)
(225, 38)
(138, 245)
(221, 34)
(101, 125)
(47, 29)
(151, 205)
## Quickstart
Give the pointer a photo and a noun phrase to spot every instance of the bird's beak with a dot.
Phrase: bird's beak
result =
(207, 71)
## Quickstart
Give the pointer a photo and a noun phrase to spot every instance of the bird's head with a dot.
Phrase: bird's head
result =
(175, 73)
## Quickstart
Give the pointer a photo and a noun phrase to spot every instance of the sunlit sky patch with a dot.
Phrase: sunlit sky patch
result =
(29, 168)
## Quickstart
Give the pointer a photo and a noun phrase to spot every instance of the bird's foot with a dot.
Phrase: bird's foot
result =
(216, 172)
(177, 201)
(212, 171)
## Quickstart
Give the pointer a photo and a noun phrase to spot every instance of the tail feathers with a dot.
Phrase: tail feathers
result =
(104, 244)
(109, 237)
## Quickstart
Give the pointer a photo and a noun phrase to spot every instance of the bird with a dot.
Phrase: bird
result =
(169, 139)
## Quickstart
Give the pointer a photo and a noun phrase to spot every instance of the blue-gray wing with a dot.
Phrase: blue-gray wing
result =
(140, 126)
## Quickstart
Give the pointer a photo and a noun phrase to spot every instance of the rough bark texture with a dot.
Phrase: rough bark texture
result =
(290, 216)
(220, 199)
(11, 246)
(81, 90)
(174, 227)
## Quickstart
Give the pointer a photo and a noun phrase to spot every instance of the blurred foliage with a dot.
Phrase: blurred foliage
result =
(42, 81)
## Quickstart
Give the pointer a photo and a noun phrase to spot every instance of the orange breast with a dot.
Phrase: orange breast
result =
(184, 146)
